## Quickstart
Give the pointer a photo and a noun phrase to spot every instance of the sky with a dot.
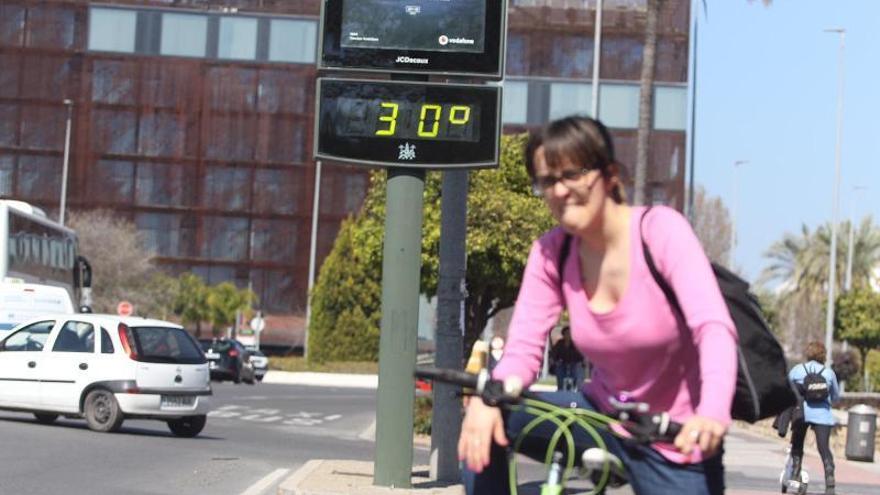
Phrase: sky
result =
(767, 93)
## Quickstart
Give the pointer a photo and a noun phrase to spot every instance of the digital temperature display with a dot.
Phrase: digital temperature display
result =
(408, 120)
(418, 124)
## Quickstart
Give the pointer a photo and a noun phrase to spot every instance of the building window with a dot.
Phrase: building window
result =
(514, 109)
(112, 81)
(49, 27)
(184, 35)
(280, 190)
(11, 24)
(165, 234)
(39, 178)
(570, 99)
(226, 238)
(161, 184)
(238, 38)
(113, 181)
(292, 41)
(43, 127)
(571, 56)
(619, 105)
(112, 30)
(517, 56)
(8, 124)
(162, 134)
(113, 131)
(275, 240)
(227, 188)
(7, 169)
(670, 108)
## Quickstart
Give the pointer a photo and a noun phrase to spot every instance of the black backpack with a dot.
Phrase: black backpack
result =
(762, 386)
(815, 387)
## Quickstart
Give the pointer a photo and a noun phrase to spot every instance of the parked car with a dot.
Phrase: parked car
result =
(138, 368)
(260, 363)
(229, 360)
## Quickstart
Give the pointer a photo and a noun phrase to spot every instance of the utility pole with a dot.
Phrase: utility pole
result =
(66, 162)
(446, 425)
(832, 268)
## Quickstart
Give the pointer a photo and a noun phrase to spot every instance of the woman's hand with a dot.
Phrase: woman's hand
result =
(703, 432)
(482, 425)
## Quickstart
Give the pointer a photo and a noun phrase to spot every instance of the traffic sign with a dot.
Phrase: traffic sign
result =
(124, 308)
(258, 324)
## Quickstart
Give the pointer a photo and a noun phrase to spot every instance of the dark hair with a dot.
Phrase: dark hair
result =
(815, 351)
(580, 139)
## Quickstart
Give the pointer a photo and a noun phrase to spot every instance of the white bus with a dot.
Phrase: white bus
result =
(37, 250)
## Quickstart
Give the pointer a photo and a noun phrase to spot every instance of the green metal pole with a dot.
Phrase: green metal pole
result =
(401, 265)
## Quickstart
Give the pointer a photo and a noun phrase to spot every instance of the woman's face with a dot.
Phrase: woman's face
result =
(574, 194)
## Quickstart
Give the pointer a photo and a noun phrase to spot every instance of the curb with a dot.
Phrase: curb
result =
(340, 477)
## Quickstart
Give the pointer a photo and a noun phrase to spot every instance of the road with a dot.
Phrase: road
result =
(255, 434)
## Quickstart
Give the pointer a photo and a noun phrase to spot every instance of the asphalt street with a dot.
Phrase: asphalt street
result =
(255, 436)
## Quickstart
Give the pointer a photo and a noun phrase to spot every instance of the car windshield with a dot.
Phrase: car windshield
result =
(166, 345)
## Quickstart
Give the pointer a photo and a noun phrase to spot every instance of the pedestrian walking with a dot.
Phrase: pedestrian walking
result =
(819, 390)
(567, 362)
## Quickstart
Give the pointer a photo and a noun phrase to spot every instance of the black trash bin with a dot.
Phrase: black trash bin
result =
(861, 430)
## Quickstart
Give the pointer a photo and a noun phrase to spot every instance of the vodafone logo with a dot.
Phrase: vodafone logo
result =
(443, 40)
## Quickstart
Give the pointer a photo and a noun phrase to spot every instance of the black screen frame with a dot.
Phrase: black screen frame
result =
(488, 64)
(441, 154)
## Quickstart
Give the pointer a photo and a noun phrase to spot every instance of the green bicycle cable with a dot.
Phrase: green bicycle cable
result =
(563, 418)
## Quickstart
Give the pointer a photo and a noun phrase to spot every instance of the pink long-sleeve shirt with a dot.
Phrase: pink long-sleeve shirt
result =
(636, 347)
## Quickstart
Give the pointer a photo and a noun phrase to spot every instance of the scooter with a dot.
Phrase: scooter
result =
(786, 482)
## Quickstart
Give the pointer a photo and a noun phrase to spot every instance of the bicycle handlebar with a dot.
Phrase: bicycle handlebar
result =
(634, 416)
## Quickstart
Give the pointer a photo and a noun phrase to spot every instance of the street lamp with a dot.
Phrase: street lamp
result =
(733, 236)
(64, 166)
(849, 255)
(313, 243)
(832, 268)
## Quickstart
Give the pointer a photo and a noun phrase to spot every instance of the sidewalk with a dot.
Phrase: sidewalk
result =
(753, 461)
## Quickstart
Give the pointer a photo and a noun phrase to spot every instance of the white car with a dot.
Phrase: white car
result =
(138, 368)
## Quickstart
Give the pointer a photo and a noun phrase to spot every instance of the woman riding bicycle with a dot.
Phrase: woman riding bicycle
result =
(620, 320)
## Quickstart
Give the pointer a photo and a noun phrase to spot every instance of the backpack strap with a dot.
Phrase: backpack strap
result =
(664, 285)
(563, 255)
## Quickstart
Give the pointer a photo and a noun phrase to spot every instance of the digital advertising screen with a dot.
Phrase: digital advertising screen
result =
(448, 37)
(429, 25)
(395, 123)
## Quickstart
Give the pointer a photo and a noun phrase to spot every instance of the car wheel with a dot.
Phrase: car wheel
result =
(259, 378)
(237, 377)
(46, 418)
(188, 427)
(102, 411)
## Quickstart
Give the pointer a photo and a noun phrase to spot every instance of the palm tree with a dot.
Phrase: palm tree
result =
(799, 269)
(646, 99)
(646, 95)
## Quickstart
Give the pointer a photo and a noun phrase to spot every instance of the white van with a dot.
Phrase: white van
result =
(20, 302)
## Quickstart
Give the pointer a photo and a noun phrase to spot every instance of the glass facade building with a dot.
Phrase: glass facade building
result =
(194, 119)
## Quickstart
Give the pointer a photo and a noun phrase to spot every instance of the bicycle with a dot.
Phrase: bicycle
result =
(603, 468)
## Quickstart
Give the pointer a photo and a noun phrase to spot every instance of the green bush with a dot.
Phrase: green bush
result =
(503, 220)
(422, 415)
(345, 304)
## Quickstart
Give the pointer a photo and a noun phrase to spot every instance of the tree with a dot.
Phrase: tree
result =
(120, 262)
(646, 99)
(224, 302)
(503, 220)
(857, 320)
(191, 301)
(799, 268)
(713, 226)
(162, 293)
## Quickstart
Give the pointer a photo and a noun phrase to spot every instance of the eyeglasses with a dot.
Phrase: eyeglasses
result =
(569, 178)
